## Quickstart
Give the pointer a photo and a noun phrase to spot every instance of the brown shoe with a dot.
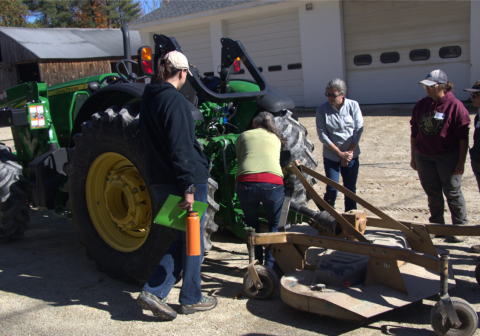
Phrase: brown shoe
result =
(475, 248)
(158, 307)
(207, 303)
(456, 239)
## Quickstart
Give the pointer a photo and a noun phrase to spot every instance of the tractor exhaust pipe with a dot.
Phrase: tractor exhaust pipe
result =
(322, 219)
(127, 54)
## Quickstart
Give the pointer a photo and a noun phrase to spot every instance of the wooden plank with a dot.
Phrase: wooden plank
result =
(8, 77)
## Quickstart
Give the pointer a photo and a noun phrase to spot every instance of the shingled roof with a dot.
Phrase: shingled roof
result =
(177, 8)
(67, 43)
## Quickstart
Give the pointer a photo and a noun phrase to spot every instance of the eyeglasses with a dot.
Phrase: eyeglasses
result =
(333, 95)
(474, 94)
(426, 87)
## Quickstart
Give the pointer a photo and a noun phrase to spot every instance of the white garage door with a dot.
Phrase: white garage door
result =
(196, 45)
(273, 42)
(391, 45)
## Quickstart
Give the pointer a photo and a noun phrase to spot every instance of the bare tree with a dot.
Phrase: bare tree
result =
(150, 5)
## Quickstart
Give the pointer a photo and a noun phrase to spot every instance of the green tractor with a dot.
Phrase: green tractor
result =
(79, 152)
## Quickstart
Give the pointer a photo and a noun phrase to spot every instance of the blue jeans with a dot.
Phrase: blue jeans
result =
(349, 175)
(175, 259)
(250, 194)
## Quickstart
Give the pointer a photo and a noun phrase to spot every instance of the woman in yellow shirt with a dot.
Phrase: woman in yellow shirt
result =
(259, 177)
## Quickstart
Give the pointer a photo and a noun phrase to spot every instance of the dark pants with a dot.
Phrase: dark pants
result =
(175, 259)
(436, 177)
(250, 194)
(349, 176)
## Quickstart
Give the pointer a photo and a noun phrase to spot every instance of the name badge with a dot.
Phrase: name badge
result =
(478, 124)
(439, 115)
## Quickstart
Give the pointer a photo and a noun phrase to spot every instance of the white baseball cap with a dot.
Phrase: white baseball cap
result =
(178, 60)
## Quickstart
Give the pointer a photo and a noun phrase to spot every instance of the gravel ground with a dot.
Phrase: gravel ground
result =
(49, 287)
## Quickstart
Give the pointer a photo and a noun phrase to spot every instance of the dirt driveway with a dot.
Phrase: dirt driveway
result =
(49, 287)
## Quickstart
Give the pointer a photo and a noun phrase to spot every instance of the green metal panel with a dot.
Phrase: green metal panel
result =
(247, 109)
(65, 104)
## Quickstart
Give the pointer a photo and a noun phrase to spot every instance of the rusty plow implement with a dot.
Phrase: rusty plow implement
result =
(359, 275)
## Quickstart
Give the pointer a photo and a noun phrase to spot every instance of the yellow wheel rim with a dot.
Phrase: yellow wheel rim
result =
(118, 202)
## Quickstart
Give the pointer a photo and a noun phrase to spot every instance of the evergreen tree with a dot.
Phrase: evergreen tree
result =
(52, 13)
(13, 13)
(109, 9)
(129, 11)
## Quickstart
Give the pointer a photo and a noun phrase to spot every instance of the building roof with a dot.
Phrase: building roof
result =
(71, 43)
(177, 8)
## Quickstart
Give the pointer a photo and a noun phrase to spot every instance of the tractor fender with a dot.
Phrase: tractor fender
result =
(117, 94)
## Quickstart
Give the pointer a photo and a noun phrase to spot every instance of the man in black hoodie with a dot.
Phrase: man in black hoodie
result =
(175, 165)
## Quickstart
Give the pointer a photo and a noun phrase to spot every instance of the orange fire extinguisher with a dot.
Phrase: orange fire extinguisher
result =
(192, 228)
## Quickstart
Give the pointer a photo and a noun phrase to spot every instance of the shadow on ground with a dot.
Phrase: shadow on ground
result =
(49, 265)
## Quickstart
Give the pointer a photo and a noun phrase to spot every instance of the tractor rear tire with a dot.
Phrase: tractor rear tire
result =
(118, 249)
(300, 148)
(14, 205)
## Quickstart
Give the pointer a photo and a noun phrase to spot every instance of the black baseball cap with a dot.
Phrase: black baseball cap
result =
(475, 87)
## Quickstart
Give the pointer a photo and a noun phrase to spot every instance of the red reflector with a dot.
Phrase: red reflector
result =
(147, 67)
(236, 66)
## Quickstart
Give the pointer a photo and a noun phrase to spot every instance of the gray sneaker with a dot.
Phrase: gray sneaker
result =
(207, 303)
(158, 307)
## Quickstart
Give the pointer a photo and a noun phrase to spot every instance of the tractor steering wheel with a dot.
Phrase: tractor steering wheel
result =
(131, 76)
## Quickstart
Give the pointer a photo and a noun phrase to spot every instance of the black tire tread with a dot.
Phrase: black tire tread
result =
(14, 206)
(269, 279)
(466, 313)
(118, 130)
(301, 149)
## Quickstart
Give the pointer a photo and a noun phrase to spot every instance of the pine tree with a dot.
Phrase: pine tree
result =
(52, 13)
(110, 11)
(129, 11)
(13, 13)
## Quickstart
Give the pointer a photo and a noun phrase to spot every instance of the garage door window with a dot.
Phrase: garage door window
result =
(294, 66)
(390, 57)
(419, 55)
(362, 60)
(450, 52)
(275, 68)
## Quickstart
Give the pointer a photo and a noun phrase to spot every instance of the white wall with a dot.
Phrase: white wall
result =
(475, 42)
(321, 36)
(217, 31)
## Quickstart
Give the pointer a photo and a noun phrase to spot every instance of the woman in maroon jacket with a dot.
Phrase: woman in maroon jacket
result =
(439, 145)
